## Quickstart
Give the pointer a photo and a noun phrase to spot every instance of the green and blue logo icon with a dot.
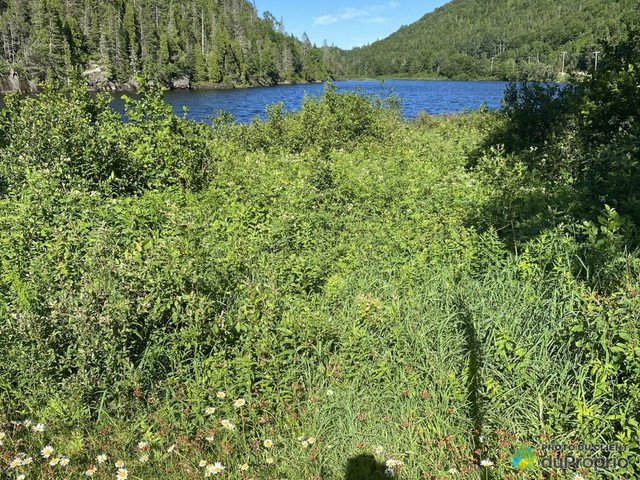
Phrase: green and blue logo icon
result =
(524, 458)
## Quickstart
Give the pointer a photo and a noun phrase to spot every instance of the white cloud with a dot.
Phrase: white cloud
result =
(375, 20)
(349, 13)
(364, 15)
(325, 20)
(386, 6)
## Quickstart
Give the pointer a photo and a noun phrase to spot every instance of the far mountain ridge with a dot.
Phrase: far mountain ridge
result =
(497, 39)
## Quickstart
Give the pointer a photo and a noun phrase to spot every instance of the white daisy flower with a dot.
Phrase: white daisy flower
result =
(486, 463)
(142, 445)
(101, 458)
(122, 473)
(64, 461)
(239, 403)
(38, 428)
(221, 394)
(46, 451)
(210, 410)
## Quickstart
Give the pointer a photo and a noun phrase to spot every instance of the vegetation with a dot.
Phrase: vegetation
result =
(332, 293)
(500, 39)
(206, 40)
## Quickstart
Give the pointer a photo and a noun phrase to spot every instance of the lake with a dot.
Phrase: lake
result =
(433, 97)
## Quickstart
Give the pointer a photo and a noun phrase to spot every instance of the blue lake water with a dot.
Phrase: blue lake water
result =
(433, 97)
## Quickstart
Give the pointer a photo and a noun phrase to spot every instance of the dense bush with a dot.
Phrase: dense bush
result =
(343, 272)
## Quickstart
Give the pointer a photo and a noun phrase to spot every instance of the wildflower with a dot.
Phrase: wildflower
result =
(269, 460)
(268, 443)
(453, 471)
(244, 467)
(15, 463)
(300, 438)
(90, 472)
(142, 445)
(227, 424)
(39, 428)
(27, 461)
(202, 464)
(578, 477)
(101, 458)
(2, 437)
(120, 464)
(171, 448)
(389, 472)
(221, 394)
(217, 468)
(240, 402)
(209, 470)
(210, 439)
(21, 477)
(481, 438)
(47, 451)
(305, 444)
(143, 458)
(379, 449)
(122, 473)
(311, 440)
(210, 410)
(54, 462)
(486, 463)
(64, 461)
(27, 423)
(329, 393)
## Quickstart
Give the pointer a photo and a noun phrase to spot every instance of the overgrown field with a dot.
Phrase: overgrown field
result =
(311, 296)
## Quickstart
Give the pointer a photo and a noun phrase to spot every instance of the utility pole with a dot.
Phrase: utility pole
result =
(596, 54)
(563, 55)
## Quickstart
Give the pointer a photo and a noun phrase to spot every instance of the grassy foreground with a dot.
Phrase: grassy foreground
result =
(332, 294)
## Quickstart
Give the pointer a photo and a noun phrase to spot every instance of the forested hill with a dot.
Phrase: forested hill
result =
(215, 41)
(500, 39)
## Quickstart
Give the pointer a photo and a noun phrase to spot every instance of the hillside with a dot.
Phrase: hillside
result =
(499, 39)
(178, 42)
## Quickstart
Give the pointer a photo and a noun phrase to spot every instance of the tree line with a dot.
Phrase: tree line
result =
(213, 41)
(501, 39)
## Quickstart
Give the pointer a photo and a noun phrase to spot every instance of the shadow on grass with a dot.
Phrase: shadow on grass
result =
(364, 467)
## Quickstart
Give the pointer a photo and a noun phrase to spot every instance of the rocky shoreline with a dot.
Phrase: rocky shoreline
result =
(98, 81)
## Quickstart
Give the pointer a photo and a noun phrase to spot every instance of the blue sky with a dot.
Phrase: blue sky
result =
(347, 23)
